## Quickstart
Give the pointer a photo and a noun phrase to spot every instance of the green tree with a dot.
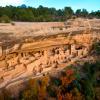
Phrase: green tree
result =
(81, 13)
(78, 12)
(68, 12)
(84, 13)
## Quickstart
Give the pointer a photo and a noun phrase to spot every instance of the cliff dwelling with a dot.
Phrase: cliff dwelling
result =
(32, 57)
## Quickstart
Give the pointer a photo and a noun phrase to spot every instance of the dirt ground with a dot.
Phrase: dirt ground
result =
(21, 28)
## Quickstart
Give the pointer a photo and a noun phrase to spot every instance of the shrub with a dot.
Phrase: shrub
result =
(5, 19)
(51, 91)
(96, 48)
(13, 24)
(5, 95)
(55, 81)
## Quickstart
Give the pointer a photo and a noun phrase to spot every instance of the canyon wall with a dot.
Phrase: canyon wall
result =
(39, 57)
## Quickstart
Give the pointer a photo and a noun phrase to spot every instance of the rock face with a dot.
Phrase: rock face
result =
(39, 57)
(32, 57)
(0, 51)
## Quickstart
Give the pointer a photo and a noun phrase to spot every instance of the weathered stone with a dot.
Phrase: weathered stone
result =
(1, 51)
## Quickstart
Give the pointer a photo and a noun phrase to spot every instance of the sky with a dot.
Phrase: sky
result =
(59, 4)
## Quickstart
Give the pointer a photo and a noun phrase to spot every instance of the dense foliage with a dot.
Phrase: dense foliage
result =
(42, 14)
(68, 84)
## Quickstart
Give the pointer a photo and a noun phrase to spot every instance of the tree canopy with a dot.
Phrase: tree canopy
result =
(42, 14)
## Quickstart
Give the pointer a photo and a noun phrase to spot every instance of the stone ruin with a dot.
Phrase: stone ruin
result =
(38, 57)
